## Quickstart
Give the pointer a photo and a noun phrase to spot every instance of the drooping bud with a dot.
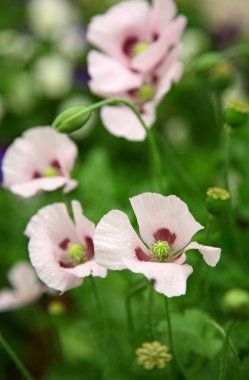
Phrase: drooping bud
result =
(72, 119)
(146, 93)
(216, 200)
(236, 114)
(140, 48)
(77, 253)
(236, 301)
(161, 250)
(153, 355)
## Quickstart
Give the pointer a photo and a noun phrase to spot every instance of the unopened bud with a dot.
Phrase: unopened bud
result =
(72, 119)
(236, 301)
(216, 200)
(236, 114)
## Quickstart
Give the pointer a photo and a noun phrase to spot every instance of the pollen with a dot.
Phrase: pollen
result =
(218, 194)
(153, 355)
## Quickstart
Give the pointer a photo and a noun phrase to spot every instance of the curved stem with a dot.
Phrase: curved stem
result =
(26, 375)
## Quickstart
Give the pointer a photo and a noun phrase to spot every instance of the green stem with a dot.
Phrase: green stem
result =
(26, 375)
(138, 287)
(149, 310)
(223, 333)
(170, 335)
(227, 157)
(96, 295)
(223, 366)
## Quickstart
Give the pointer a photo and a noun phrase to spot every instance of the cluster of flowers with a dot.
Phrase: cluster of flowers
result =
(140, 61)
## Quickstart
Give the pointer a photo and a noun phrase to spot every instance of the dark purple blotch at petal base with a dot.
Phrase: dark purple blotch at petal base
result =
(141, 255)
(164, 234)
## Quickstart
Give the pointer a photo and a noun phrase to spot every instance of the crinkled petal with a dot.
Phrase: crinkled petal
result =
(85, 228)
(163, 11)
(155, 211)
(108, 32)
(30, 188)
(122, 122)
(90, 268)
(42, 253)
(22, 277)
(115, 240)
(170, 279)
(109, 77)
(55, 221)
(211, 255)
(151, 57)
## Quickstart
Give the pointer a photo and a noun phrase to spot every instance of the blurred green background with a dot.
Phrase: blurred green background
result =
(43, 70)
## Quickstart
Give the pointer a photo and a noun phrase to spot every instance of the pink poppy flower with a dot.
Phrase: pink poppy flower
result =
(26, 287)
(166, 227)
(61, 250)
(39, 160)
(140, 60)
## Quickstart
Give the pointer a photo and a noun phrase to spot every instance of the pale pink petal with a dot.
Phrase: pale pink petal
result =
(42, 252)
(211, 255)
(169, 72)
(70, 185)
(53, 145)
(55, 221)
(151, 57)
(110, 78)
(155, 211)
(115, 240)
(170, 279)
(90, 268)
(22, 277)
(122, 122)
(9, 300)
(162, 12)
(128, 19)
(85, 228)
(19, 162)
(30, 188)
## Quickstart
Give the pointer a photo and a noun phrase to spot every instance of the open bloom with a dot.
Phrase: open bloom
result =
(140, 60)
(61, 250)
(26, 287)
(39, 160)
(166, 228)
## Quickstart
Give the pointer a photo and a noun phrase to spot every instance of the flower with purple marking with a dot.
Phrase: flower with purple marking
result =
(61, 250)
(39, 160)
(139, 60)
(166, 228)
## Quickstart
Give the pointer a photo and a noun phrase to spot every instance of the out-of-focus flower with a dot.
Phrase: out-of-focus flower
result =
(26, 287)
(48, 18)
(236, 301)
(61, 250)
(166, 228)
(71, 42)
(53, 75)
(16, 45)
(140, 60)
(39, 160)
(153, 355)
(194, 42)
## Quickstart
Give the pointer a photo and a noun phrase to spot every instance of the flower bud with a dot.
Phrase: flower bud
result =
(72, 119)
(216, 200)
(236, 301)
(236, 114)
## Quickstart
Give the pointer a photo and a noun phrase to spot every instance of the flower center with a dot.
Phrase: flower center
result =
(140, 48)
(161, 250)
(51, 172)
(146, 93)
(77, 253)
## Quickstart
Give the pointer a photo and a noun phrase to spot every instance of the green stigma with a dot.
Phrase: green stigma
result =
(140, 48)
(77, 253)
(51, 172)
(146, 93)
(161, 250)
